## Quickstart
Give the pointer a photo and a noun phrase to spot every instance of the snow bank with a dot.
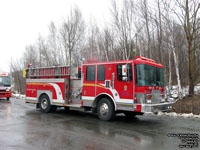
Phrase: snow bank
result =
(18, 96)
(185, 90)
(173, 114)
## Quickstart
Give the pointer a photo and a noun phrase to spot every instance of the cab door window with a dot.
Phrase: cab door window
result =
(128, 76)
(90, 73)
(101, 73)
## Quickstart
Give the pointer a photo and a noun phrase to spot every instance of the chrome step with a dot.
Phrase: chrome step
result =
(74, 105)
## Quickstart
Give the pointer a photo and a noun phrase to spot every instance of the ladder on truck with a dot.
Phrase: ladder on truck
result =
(55, 71)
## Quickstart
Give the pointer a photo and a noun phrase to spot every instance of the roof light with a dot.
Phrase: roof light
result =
(29, 65)
(144, 58)
(4, 74)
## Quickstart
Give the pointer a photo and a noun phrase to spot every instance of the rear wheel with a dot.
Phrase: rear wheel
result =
(105, 110)
(45, 104)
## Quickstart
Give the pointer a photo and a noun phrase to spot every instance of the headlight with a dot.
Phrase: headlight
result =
(148, 98)
(7, 89)
(162, 99)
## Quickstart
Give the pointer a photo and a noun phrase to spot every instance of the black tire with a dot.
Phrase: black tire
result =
(8, 98)
(105, 110)
(45, 104)
(129, 114)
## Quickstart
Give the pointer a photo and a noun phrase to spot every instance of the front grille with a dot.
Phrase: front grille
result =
(2, 93)
(2, 90)
(155, 96)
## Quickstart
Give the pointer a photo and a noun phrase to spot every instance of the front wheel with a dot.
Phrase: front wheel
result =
(45, 104)
(8, 98)
(105, 110)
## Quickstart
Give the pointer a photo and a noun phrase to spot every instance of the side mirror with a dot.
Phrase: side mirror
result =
(124, 70)
(124, 73)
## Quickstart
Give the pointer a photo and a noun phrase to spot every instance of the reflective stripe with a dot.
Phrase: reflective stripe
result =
(88, 98)
(58, 101)
(45, 80)
(31, 98)
(127, 101)
(90, 84)
(124, 103)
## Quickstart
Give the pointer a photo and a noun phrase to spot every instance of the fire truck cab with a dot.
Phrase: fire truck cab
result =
(5, 86)
(132, 87)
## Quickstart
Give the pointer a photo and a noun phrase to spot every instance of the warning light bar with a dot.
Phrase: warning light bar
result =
(144, 58)
(4, 74)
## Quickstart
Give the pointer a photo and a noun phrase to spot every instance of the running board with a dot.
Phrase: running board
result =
(73, 105)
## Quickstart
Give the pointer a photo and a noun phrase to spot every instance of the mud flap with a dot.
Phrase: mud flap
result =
(37, 105)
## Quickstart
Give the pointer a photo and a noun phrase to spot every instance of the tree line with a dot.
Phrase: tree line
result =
(163, 30)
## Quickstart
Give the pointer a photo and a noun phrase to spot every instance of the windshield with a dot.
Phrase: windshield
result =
(146, 75)
(5, 80)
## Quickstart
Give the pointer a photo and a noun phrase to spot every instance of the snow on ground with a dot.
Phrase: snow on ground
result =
(18, 96)
(173, 114)
(185, 90)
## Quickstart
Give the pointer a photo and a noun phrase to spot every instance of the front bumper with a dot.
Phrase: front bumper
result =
(154, 108)
(5, 94)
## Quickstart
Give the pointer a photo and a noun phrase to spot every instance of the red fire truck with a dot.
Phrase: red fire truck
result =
(5, 86)
(132, 87)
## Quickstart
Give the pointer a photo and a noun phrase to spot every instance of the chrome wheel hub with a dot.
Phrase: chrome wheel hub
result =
(44, 103)
(104, 110)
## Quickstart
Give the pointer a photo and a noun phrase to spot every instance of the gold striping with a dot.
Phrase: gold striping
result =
(39, 83)
(123, 104)
(90, 84)
(88, 100)
(58, 103)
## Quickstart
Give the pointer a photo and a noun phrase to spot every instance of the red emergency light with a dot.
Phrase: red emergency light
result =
(29, 65)
(3, 74)
(144, 58)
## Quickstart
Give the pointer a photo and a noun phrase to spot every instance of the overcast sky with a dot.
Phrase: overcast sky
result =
(21, 21)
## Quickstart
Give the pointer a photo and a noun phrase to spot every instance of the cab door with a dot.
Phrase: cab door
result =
(124, 82)
(89, 80)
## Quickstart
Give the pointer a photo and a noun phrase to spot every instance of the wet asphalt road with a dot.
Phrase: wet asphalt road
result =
(22, 127)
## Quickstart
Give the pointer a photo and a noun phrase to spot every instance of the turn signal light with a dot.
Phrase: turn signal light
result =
(135, 100)
(149, 96)
(163, 95)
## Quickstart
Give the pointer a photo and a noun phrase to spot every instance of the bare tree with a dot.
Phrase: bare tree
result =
(71, 32)
(189, 17)
(160, 32)
(106, 44)
(30, 56)
(55, 51)
(44, 52)
(16, 67)
(124, 25)
(145, 14)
